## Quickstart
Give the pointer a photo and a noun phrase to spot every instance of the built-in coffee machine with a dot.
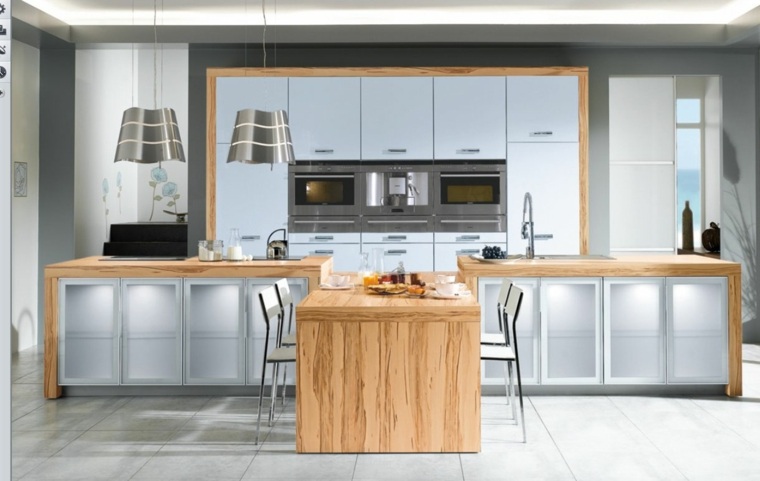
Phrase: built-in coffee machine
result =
(397, 189)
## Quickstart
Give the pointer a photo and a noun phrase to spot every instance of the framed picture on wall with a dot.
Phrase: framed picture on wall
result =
(19, 179)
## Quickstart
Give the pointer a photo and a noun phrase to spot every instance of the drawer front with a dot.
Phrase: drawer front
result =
(393, 237)
(335, 238)
(446, 254)
(416, 257)
(485, 238)
(346, 257)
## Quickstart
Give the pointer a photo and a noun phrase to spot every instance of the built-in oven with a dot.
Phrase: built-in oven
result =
(470, 189)
(324, 190)
(397, 189)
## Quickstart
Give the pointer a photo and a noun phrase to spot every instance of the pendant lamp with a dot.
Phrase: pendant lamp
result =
(259, 136)
(150, 136)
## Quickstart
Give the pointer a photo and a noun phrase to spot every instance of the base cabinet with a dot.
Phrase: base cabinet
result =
(697, 330)
(151, 331)
(88, 337)
(634, 330)
(214, 331)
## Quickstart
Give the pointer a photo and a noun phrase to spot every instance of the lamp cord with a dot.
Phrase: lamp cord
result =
(264, 36)
(155, 48)
(133, 56)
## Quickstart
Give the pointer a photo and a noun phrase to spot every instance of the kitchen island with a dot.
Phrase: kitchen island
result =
(135, 321)
(387, 373)
(639, 320)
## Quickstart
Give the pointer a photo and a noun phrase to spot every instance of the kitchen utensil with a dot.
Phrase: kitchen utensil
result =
(210, 250)
(234, 249)
(277, 249)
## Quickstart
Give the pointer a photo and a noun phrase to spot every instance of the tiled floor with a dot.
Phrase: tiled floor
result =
(211, 438)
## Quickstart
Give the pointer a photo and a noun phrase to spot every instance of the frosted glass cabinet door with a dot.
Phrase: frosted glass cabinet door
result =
(88, 341)
(527, 328)
(397, 118)
(697, 330)
(634, 330)
(571, 331)
(299, 287)
(151, 326)
(238, 93)
(542, 109)
(324, 118)
(470, 118)
(214, 331)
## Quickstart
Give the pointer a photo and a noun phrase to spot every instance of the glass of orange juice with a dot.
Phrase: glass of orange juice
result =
(370, 279)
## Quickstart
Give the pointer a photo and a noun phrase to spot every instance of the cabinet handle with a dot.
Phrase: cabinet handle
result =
(395, 252)
(394, 151)
(251, 237)
(468, 238)
(468, 251)
(468, 151)
(543, 236)
(322, 238)
(323, 252)
(394, 238)
(541, 133)
(324, 151)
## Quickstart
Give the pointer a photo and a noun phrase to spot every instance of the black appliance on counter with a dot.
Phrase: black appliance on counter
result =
(147, 239)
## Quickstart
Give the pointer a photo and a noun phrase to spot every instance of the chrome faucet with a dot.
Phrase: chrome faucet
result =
(527, 226)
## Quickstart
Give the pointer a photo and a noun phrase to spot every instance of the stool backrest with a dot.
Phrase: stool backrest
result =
(283, 293)
(270, 305)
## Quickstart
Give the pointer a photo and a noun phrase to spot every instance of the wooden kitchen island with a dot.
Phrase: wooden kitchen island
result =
(679, 310)
(380, 374)
(101, 328)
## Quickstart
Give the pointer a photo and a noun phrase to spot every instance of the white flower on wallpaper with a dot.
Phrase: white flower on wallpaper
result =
(170, 190)
(104, 189)
(118, 185)
(158, 176)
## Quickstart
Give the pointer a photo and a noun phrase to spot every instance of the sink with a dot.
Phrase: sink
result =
(574, 257)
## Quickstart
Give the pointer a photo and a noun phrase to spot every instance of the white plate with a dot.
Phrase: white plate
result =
(328, 287)
(480, 258)
(461, 295)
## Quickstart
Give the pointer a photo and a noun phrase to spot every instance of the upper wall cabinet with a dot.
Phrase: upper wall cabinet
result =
(397, 118)
(324, 118)
(542, 109)
(238, 93)
(470, 118)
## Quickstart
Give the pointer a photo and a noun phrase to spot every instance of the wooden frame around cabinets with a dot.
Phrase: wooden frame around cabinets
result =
(213, 73)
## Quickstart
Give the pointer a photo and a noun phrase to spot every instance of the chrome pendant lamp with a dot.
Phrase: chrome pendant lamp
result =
(150, 136)
(259, 136)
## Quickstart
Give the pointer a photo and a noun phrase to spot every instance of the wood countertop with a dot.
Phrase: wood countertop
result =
(630, 266)
(312, 266)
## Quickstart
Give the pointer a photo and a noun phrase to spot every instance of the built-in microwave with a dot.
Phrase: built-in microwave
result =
(324, 190)
(470, 189)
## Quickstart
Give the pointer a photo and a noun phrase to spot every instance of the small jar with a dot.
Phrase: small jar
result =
(210, 250)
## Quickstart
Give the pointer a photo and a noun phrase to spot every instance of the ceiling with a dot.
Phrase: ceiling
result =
(578, 22)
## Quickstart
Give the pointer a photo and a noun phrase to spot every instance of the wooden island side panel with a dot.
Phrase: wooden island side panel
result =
(393, 380)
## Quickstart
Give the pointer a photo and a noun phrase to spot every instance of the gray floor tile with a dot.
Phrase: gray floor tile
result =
(165, 405)
(504, 461)
(22, 464)
(42, 421)
(42, 443)
(230, 405)
(136, 421)
(198, 461)
(288, 464)
(128, 437)
(441, 467)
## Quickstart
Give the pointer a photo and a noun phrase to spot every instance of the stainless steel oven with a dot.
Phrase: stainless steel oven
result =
(397, 189)
(324, 190)
(470, 189)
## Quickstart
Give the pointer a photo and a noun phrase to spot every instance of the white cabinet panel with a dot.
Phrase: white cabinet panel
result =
(416, 257)
(397, 118)
(396, 237)
(325, 118)
(256, 337)
(642, 207)
(236, 205)
(446, 253)
(88, 348)
(486, 238)
(642, 122)
(238, 93)
(571, 332)
(697, 330)
(151, 324)
(214, 331)
(528, 328)
(542, 109)
(324, 238)
(550, 172)
(634, 330)
(470, 118)
(346, 257)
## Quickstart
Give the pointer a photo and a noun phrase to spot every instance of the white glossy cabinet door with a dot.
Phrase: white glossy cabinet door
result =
(257, 329)
(697, 330)
(238, 93)
(325, 118)
(470, 118)
(416, 257)
(253, 198)
(642, 119)
(214, 331)
(642, 209)
(397, 118)
(346, 257)
(528, 328)
(542, 109)
(550, 172)
(88, 339)
(151, 326)
(571, 331)
(634, 330)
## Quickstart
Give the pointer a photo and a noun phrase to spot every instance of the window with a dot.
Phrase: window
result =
(689, 161)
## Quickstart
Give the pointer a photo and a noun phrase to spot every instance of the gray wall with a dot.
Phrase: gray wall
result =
(737, 67)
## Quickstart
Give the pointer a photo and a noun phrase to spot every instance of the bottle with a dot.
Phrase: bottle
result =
(399, 273)
(687, 224)
(234, 249)
(365, 274)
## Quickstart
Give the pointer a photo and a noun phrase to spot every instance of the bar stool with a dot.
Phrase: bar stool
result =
(501, 300)
(270, 306)
(507, 352)
(285, 299)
